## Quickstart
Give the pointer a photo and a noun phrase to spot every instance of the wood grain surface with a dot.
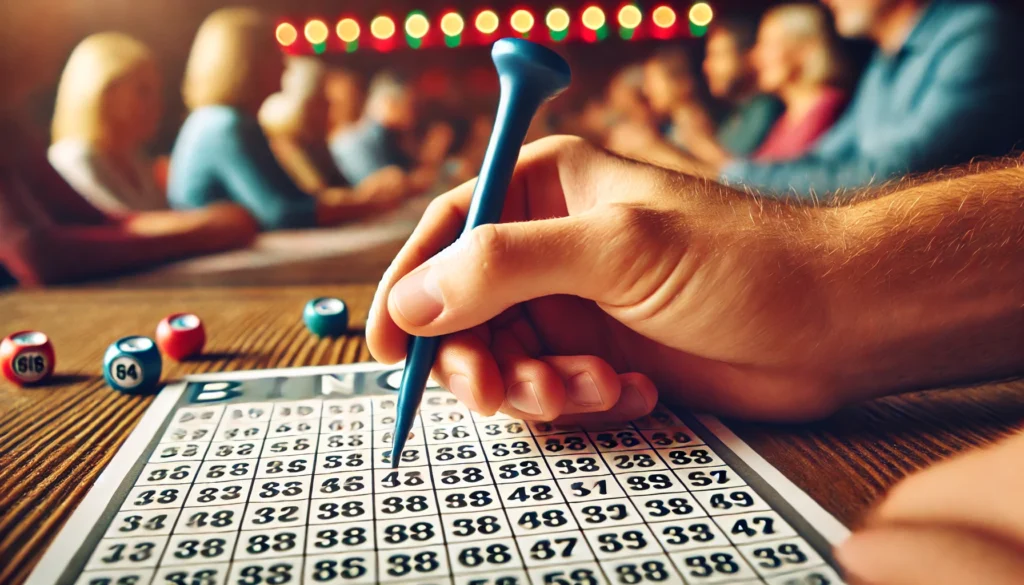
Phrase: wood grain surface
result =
(55, 440)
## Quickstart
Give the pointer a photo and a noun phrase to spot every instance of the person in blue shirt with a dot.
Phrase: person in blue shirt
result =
(375, 142)
(687, 128)
(945, 85)
(222, 153)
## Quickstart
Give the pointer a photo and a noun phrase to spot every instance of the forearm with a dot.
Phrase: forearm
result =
(50, 255)
(337, 205)
(928, 284)
(75, 254)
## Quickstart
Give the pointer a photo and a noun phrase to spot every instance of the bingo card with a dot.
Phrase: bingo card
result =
(281, 477)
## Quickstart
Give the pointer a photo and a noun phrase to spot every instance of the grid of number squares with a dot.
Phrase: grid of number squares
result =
(303, 492)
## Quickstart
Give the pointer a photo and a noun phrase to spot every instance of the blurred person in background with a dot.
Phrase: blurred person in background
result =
(590, 121)
(108, 108)
(464, 164)
(797, 58)
(691, 135)
(295, 120)
(378, 139)
(345, 99)
(944, 85)
(48, 232)
(670, 88)
(671, 92)
(625, 97)
(731, 76)
(222, 154)
(623, 103)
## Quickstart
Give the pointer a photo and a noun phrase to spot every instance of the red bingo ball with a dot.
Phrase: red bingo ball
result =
(180, 336)
(26, 357)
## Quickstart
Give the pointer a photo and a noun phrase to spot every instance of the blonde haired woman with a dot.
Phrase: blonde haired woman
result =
(48, 232)
(797, 59)
(108, 107)
(222, 154)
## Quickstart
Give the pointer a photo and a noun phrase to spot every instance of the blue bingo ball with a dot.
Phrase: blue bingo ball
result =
(326, 316)
(132, 365)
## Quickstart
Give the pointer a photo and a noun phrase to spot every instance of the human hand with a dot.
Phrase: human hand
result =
(216, 227)
(606, 275)
(388, 186)
(958, 522)
(422, 178)
(691, 123)
(436, 143)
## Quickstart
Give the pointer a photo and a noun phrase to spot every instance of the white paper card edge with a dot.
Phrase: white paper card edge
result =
(825, 523)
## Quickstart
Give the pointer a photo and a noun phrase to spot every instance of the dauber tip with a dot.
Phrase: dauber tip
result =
(394, 459)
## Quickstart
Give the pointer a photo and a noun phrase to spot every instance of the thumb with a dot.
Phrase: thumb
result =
(496, 266)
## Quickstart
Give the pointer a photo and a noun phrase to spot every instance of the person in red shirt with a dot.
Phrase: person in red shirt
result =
(48, 232)
(798, 60)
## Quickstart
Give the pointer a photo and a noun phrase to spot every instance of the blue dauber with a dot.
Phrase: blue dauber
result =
(529, 75)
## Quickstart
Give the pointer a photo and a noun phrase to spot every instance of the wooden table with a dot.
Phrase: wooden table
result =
(55, 440)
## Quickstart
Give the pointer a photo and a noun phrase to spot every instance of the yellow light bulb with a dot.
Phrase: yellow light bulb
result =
(382, 27)
(452, 24)
(348, 30)
(663, 16)
(629, 16)
(701, 14)
(286, 34)
(593, 18)
(521, 21)
(417, 26)
(557, 19)
(316, 31)
(487, 22)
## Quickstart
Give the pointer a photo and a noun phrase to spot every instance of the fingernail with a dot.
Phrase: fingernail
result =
(418, 297)
(522, 396)
(633, 402)
(582, 390)
(459, 385)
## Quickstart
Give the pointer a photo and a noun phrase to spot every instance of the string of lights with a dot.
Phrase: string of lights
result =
(452, 29)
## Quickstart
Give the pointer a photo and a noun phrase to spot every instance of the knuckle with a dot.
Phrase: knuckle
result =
(438, 209)
(489, 251)
(560, 142)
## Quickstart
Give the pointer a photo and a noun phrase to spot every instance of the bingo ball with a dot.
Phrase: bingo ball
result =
(132, 365)
(180, 336)
(26, 357)
(326, 316)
